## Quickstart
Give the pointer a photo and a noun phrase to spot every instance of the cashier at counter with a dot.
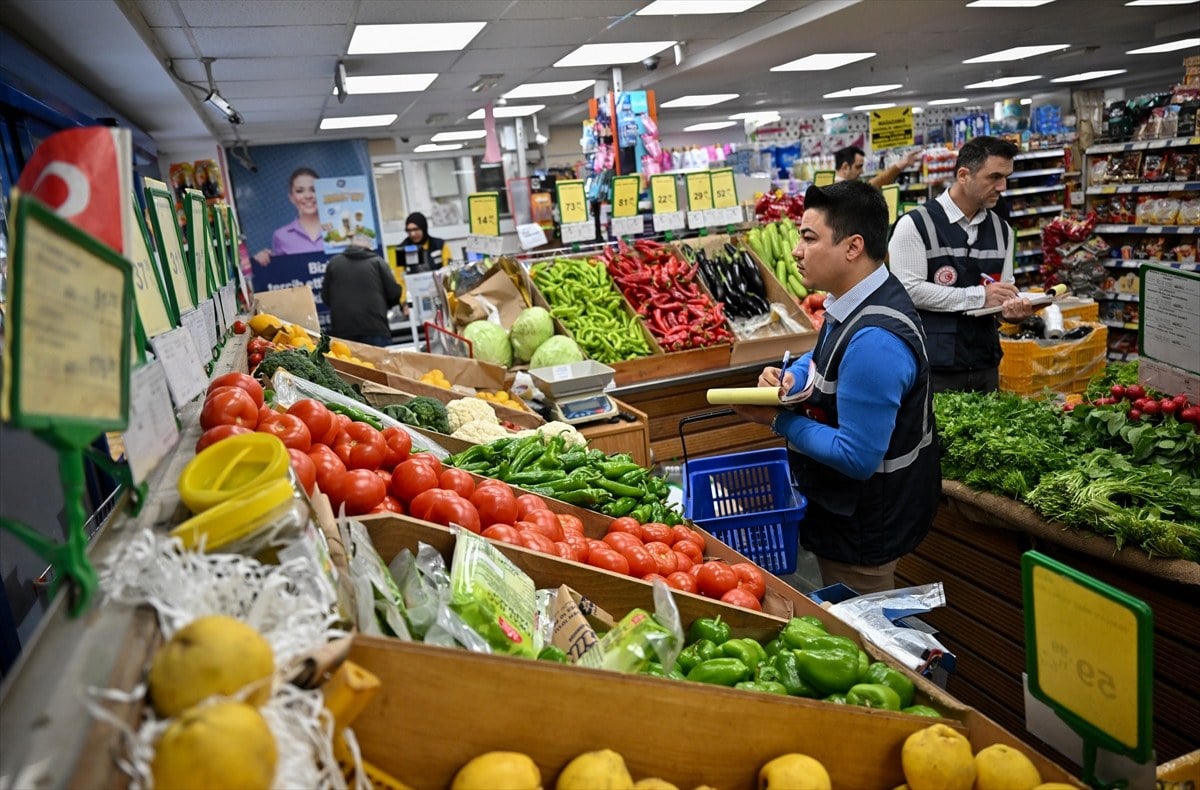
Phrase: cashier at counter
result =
(417, 259)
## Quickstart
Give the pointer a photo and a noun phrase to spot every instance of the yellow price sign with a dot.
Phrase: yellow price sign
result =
(724, 191)
(483, 209)
(572, 203)
(891, 195)
(824, 178)
(625, 196)
(699, 188)
(666, 198)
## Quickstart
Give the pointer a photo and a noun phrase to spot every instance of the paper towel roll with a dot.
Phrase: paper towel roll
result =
(1053, 317)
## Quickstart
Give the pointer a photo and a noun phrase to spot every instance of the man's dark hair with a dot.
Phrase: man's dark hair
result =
(853, 208)
(977, 150)
(846, 156)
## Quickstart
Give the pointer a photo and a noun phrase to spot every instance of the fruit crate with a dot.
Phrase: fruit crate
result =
(1065, 366)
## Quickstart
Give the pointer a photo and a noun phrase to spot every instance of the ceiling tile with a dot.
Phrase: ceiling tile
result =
(159, 13)
(272, 42)
(259, 13)
(252, 89)
(497, 61)
(299, 104)
(378, 12)
(175, 42)
(538, 33)
(400, 63)
(557, 9)
(242, 69)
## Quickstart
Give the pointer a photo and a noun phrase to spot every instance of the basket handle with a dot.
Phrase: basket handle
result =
(708, 415)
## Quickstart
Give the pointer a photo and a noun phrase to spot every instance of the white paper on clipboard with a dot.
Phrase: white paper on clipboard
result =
(1036, 299)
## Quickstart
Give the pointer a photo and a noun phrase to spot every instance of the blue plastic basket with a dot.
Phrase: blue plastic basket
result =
(746, 501)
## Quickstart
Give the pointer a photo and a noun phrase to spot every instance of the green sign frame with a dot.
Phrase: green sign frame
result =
(169, 243)
(147, 239)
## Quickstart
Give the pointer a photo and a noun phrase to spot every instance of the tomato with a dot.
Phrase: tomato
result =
(229, 406)
(503, 532)
(663, 557)
(715, 579)
(293, 433)
(239, 327)
(319, 419)
(253, 360)
(546, 523)
(626, 524)
(399, 445)
(328, 465)
(750, 579)
(428, 458)
(640, 561)
(694, 571)
(458, 481)
(608, 559)
(265, 415)
(389, 505)
(453, 509)
(528, 502)
(386, 476)
(342, 422)
(691, 549)
(248, 383)
(304, 468)
(619, 540)
(532, 539)
(654, 531)
(682, 581)
(697, 537)
(654, 577)
(361, 490)
(682, 533)
(259, 345)
(570, 523)
(214, 435)
(360, 446)
(421, 505)
(491, 482)
(742, 598)
(566, 550)
(582, 546)
(495, 505)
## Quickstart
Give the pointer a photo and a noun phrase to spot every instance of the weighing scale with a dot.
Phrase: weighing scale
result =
(575, 392)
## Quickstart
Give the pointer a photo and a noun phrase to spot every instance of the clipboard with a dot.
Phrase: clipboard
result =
(1036, 299)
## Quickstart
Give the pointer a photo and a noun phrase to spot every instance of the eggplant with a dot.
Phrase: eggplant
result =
(754, 275)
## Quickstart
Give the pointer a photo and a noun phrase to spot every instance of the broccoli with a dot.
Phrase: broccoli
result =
(312, 367)
(400, 414)
(431, 414)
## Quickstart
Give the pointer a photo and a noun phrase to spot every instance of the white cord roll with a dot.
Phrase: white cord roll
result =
(1053, 317)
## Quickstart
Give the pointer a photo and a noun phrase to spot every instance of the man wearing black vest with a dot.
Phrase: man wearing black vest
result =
(861, 435)
(954, 254)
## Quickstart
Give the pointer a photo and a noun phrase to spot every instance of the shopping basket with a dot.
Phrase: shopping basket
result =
(746, 500)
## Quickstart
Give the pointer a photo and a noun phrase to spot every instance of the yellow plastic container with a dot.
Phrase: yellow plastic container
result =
(232, 467)
(239, 516)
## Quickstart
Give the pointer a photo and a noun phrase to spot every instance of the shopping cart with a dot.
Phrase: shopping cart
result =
(746, 500)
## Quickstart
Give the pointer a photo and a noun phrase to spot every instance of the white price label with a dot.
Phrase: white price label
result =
(578, 231)
(193, 321)
(673, 220)
(697, 219)
(628, 226)
(185, 371)
(152, 430)
(485, 245)
(531, 235)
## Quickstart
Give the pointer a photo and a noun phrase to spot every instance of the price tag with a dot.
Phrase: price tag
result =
(674, 220)
(193, 321)
(716, 216)
(572, 203)
(697, 219)
(531, 235)
(578, 231)
(169, 244)
(1089, 654)
(148, 289)
(724, 190)
(665, 195)
(209, 308)
(824, 178)
(185, 372)
(625, 196)
(699, 189)
(152, 430)
(628, 226)
(229, 302)
(485, 245)
(194, 207)
(891, 196)
(483, 209)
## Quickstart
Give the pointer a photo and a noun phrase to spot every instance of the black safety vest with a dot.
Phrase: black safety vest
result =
(956, 341)
(428, 256)
(882, 518)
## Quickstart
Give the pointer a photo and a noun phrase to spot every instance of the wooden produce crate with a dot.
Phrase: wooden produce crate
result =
(621, 436)
(1030, 366)
(383, 389)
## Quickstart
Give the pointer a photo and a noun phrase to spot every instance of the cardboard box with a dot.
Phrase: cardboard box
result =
(397, 389)
(468, 374)
(496, 291)
(293, 305)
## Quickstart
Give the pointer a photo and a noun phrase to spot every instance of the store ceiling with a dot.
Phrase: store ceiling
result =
(275, 60)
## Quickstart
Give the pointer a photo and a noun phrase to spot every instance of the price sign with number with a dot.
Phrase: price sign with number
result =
(824, 178)
(150, 293)
(572, 204)
(664, 194)
(194, 208)
(625, 196)
(699, 189)
(724, 191)
(483, 208)
(1089, 655)
(169, 245)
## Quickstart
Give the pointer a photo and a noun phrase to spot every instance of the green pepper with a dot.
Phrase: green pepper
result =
(572, 460)
(549, 459)
(880, 672)
(787, 669)
(747, 651)
(356, 415)
(641, 513)
(634, 477)
(614, 469)
(620, 489)
(695, 653)
(864, 662)
(719, 672)
(535, 477)
(766, 686)
(797, 630)
(922, 710)
(836, 699)
(269, 396)
(570, 483)
(527, 453)
(587, 497)
(774, 647)
(873, 695)
(654, 669)
(766, 672)
(828, 671)
(675, 673)
(798, 640)
(710, 628)
(812, 620)
(619, 507)
(552, 653)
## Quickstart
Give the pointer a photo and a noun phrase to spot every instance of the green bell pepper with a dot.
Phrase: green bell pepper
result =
(836, 699)
(828, 671)
(747, 651)
(812, 620)
(552, 653)
(719, 672)
(697, 653)
(767, 686)
(922, 710)
(879, 672)
(654, 669)
(864, 662)
(774, 647)
(802, 641)
(675, 673)
(873, 695)
(710, 628)
(787, 668)
(797, 630)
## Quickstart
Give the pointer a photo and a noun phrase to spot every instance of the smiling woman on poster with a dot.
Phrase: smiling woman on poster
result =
(303, 234)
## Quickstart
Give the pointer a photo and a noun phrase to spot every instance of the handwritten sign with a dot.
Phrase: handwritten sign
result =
(824, 178)
(578, 231)
(193, 203)
(181, 362)
(891, 128)
(148, 290)
(170, 246)
(1170, 313)
(483, 211)
(572, 203)
(724, 190)
(531, 235)
(699, 189)
(665, 194)
(625, 196)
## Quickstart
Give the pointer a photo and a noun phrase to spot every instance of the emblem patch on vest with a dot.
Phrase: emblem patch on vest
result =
(947, 275)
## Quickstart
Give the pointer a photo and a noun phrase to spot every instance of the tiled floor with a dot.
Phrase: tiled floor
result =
(807, 576)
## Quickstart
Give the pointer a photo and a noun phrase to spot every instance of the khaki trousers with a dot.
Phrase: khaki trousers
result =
(862, 579)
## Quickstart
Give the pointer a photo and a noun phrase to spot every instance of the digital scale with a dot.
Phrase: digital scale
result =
(575, 392)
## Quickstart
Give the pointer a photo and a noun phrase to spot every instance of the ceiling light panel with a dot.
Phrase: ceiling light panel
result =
(358, 121)
(823, 62)
(425, 148)
(537, 90)
(693, 8)
(862, 90)
(758, 117)
(866, 107)
(415, 37)
(709, 126)
(1017, 53)
(939, 102)
(829, 116)
(388, 83)
(1003, 82)
(1084, 76)
(1170, 46)
(1161, 2)
(1007, 3)
(466, 134)
(513, 111)
(700, 100)
(613, 54)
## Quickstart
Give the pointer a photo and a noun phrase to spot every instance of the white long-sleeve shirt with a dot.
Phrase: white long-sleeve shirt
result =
(906, 259)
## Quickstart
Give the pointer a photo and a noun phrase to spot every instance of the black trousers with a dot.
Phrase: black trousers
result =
(985, 380)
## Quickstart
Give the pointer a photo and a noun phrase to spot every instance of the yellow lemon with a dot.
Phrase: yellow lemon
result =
(794, 772)
(499, 771)
(211, 747)
(599, 770)
(210, 655)
(938, 758)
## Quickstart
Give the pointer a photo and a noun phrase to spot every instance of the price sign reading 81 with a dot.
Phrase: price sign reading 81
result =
(625, 195)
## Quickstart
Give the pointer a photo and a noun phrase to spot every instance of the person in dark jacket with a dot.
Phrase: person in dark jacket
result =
(359, 289)
(418, 258)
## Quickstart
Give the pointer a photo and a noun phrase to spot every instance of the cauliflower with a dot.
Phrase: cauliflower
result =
(465, 410)
(480, 431)
(554, 428)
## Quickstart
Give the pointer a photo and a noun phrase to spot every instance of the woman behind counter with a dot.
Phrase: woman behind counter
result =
(416, 260)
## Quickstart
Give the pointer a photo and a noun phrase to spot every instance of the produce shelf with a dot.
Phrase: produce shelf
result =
(1033, 212)
(1117, 263)
(1132, 189)
(1047, 171)
(1113, 296)
(1024, 232)
(1033, 190)
(1143, 145)
(1171, 230)
(1121, 356)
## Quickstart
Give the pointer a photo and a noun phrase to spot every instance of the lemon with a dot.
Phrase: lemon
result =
(224, 745)
(794, 772)
(210, 655)
(1001, 767)
(938, 758)
(499, 771)
(599, 770)
(653, 783)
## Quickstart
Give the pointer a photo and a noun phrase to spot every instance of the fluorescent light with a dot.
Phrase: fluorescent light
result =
(768, 116)
(388, 83)
(534, 90)
(467, 134)
(512, 111)
(918, 110)
(1026, 102)
(425, 148)
(823, 62)
(938, 102)
(418, 37)
(700, 100)
(1162, 2)
(358, 121)
(613, 54)
(862, 90)
(1170, 46)
(1007, 3)
(707, 127)
(691, 7)
(1003, 82)
(1088, 75)
(866, 107)
(1017, 53)
(829, 116)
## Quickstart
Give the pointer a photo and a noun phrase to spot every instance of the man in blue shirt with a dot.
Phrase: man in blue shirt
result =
(859, 424)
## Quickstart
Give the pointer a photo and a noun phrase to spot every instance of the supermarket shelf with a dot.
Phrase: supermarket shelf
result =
(1173, 230)
(1143, 145)
(1133, 189)
(1118, 263)
(914, 187)
(1056, 153)
(1033, 190)
(1027, 269)
(1024, 232)
(1119, 325)
(1033, 212)
(1048, 171)
(1073, 174)
(1114, 296)
(1027, 253)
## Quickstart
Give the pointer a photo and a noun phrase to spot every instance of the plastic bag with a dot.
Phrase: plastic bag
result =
(424, 583)
(641, 637)
(873, 615)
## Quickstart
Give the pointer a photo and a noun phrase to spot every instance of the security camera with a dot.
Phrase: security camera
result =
(404, 139)
(651, 63)
(236, 119)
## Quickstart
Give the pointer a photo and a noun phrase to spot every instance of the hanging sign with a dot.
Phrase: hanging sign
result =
(150, 293)
(824, 178)
(572, 204)
(483, 213)
(891, 128)
(169, 245)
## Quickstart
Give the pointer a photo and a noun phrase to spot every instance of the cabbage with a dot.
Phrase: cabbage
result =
(489, 342)
(558, 350)
(532, 328)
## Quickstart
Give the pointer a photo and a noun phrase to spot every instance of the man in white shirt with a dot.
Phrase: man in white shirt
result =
(954, 254)
(849, 162)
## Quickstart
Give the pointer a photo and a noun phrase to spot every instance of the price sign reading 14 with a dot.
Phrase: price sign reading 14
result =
(483, 210)
(572, 204)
